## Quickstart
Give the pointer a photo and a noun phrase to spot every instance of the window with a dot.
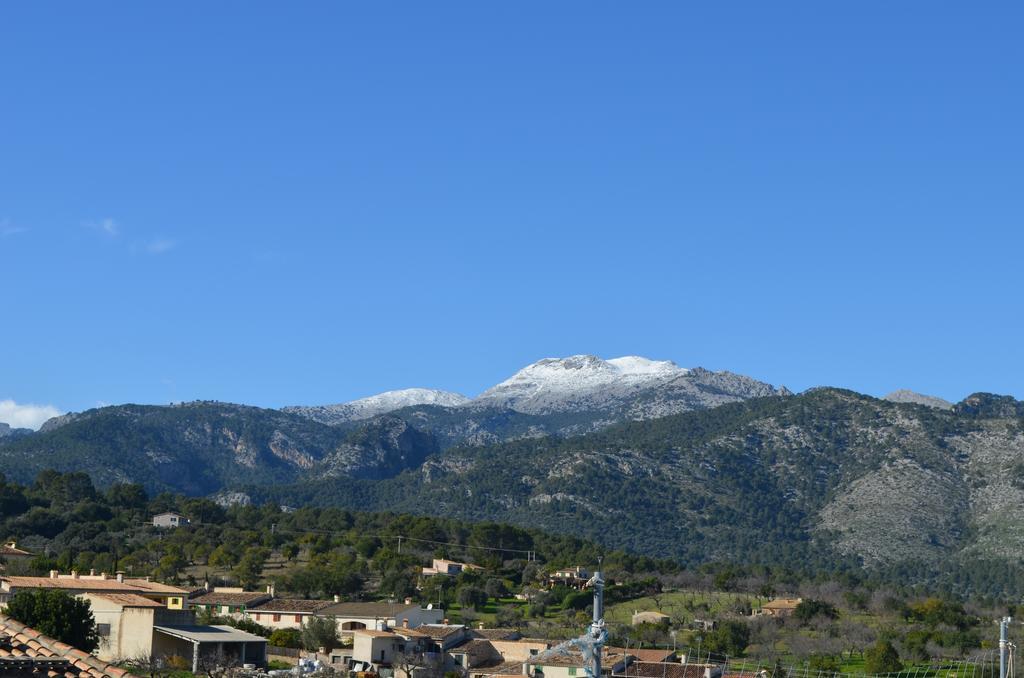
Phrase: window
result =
(257, 616)
(224, 609)
(298, 618)
(175, 601)
(103, 630)
(572, 670)
(533, 651)
(277, 617)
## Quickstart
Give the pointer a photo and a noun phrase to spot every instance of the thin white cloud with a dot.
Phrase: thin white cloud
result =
(26, 416)
(8, 228)
(160, 245)
(106, 226)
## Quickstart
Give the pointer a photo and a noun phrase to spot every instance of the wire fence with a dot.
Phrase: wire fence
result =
(983, 664)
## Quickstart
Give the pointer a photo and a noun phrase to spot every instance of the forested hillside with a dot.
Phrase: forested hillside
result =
(824, 480)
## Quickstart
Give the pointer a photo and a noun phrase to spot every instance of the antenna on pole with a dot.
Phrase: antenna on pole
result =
(1003, 624)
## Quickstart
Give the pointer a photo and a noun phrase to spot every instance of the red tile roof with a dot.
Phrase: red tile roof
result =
(9, 549)
(21, 645)
(645, 655)
(245, 598)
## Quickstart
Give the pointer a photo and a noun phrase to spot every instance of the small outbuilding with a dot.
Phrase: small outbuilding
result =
(221, 645)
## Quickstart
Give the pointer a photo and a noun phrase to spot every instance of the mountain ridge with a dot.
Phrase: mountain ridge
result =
(564, 396)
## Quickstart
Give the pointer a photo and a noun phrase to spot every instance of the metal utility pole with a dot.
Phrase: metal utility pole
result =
(1003, 624)
(597, 630)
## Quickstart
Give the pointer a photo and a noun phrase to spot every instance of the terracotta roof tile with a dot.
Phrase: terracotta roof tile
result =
(19, 643)
(225, 598)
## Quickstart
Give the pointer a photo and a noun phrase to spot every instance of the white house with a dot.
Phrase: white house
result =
(285, 613)
(379, 616)
(169, 519)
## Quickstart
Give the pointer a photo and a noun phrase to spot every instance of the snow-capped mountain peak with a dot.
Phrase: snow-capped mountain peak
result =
(410, 396)
(555, 382)
(382, 403)
(629, 387)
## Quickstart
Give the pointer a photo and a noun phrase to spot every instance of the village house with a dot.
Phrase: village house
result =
(652, 655)
(491, 651)
(226, 601)
(379, 616)
(447, 567)
(573, 577)
(285, 613)
(780, 607)
(442, 636)
(11, 554)
(520, 649)
(571, 664)
(399, 651)
(171, 597)
(126, 622)
(169, 519)
(133, 627)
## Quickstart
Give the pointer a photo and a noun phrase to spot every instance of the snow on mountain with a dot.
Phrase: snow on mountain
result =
(382, 403)
(577, 382)
(605, 391)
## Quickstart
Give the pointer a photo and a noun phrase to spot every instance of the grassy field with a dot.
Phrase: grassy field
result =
(688, 604)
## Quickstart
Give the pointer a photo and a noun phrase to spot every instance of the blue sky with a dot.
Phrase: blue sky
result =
(299, 203)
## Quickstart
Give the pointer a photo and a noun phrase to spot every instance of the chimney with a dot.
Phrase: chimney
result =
(405, 623)
(92, 573)
(53, 574)
(270, 590)
(408, 601)
(480, 626)
(74, 574)
(445, 622)
(206, 585)
(337, 598)
(120, 577)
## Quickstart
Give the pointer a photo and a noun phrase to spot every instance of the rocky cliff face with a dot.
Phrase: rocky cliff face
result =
(200, 448)
(8, 433)
(905, 396)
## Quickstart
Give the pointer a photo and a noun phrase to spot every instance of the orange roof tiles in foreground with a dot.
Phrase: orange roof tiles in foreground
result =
(21, 644)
